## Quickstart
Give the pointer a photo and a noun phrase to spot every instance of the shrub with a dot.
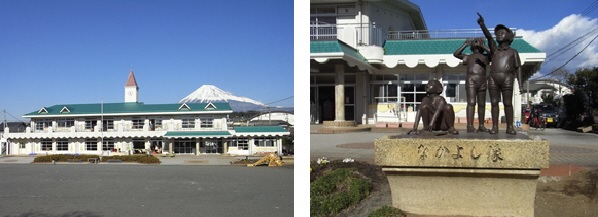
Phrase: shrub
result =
(337, 190)
(387, 211)
(145, 159)
(64, 157)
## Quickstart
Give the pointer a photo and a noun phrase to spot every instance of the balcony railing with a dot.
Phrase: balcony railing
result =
(323, 32)
(434, 34)
(353, 34)
(369, 35)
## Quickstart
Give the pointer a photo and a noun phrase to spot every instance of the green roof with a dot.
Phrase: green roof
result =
(442, 46)
(196, 133)
(128, 108)
(260, 129)
(335, 46)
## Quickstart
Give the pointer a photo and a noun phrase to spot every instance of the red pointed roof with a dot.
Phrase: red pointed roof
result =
(131, 82)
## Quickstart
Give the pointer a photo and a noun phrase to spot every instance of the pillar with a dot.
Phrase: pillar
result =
(516, 102)
(197, 147)
(339, 95)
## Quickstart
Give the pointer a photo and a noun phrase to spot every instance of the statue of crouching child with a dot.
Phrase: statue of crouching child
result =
(435, 112)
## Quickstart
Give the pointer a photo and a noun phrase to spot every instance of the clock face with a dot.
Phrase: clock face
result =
(130, 92)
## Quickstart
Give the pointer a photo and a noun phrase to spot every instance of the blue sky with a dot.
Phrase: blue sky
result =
(547, 25)
(68, 51)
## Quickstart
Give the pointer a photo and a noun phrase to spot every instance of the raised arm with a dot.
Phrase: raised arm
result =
(491, 42)
(459, 52)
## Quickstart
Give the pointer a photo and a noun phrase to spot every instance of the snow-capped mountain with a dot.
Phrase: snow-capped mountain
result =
(211, 93)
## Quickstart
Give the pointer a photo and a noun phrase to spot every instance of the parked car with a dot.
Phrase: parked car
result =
(548, 111)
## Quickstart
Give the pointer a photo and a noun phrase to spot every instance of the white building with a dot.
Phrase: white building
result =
(135, 127)
(370, 61)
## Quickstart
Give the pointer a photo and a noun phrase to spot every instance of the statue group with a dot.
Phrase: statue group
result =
(504, 64)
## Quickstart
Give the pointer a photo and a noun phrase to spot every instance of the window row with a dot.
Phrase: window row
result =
(108, 124)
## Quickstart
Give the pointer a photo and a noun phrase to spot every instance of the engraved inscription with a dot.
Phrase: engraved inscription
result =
(474, 154)
(442, 151)
(495, 153)
(422, 151)
(458, 154)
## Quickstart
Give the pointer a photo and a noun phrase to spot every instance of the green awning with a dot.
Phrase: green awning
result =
(197, 134)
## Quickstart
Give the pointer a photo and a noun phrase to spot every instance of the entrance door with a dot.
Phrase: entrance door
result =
(326, 103)
(184, 146)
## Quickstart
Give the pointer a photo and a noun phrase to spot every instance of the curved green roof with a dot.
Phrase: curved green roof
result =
(334, 46)
(442, 46)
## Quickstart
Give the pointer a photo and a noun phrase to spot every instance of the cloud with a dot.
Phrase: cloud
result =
(564, 35)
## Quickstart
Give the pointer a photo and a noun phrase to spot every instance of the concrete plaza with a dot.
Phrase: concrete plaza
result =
(144, 190)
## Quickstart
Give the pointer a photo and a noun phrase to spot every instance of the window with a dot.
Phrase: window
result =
(158, 123)
(155, 123)
(207, 122)
(261, 142)
(454, 88)
(413, 89)
(107, 125)
(384, 93)
(46, 145)
(42, 124)
(66, 122)
(188, 123)
(138, 123)
(90, 123)
(108, 145)
(62, 145)
(91, 145)
(22, 145)
(243, 144)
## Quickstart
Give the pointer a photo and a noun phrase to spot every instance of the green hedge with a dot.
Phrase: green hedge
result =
(63, 158)
(144, 159)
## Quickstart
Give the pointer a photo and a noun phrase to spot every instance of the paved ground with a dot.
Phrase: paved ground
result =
(144, 190)
(165, 160)
(179, 186)
(566, 147)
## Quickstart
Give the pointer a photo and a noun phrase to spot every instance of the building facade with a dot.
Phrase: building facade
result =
(370, 61)
(134, 127)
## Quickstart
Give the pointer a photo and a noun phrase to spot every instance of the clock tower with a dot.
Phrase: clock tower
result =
(131, 89)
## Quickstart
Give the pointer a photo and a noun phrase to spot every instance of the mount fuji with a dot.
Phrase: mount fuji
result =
(211, 93)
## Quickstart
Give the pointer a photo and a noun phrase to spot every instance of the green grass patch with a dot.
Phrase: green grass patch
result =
(336, 190)
(387, 211)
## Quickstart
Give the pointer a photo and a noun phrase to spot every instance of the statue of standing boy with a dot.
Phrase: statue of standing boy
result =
(505, 67)
(475, 82)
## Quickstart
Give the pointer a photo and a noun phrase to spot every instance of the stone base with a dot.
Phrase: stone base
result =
(462, 177)
(339, 124)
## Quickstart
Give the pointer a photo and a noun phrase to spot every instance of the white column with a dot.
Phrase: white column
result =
(339, 93)
(516, 102)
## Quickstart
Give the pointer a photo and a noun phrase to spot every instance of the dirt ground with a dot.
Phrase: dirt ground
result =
(573, 196)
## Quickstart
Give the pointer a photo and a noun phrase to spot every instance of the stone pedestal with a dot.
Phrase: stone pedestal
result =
(463, 176)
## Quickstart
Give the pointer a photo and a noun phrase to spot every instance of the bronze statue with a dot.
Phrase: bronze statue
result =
(434, 111)
(475, 82)
(505, 66)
